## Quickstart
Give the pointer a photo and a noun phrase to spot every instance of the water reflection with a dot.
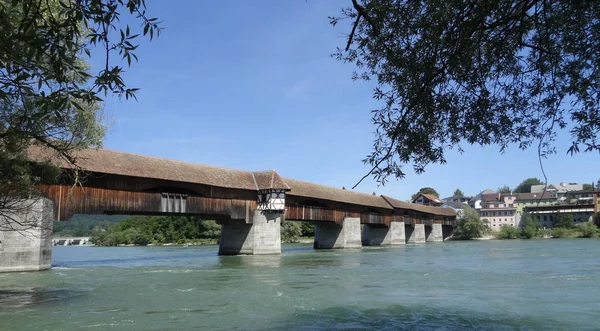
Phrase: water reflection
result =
(255, 261)
(32, 296)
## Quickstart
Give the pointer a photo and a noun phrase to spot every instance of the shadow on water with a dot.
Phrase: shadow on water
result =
(35, 296)
(131, 261)
(399, 317)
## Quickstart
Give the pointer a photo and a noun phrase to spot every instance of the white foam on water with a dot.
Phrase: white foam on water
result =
(186, 290)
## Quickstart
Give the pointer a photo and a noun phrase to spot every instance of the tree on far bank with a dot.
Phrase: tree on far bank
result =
(469, 226)
(588, 187)
(425, 190)
(525, 186)
(451, 73)
(291, 231)
(529, 226)
(563, 220)
(458, 193)
(504, 189)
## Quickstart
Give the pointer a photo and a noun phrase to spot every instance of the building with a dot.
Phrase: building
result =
(582, 204)
(534, 199)
(499, 209)
(458, 199)
(459, 208)
(428, 200)
(559, 190)
(475, 202)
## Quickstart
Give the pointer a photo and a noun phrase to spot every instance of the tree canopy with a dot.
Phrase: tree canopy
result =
(48, 95)
(459, 193)
(458, 72)
(525, 186)
(425, 190)
(469, 226)
(504, 189)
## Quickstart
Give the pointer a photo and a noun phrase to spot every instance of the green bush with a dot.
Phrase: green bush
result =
(587, 229)
(530, 226)
(143, 230)
(560, 233)
(308, 229)
(529, 232)
(563, 220)
(509, 232)
(290, 231)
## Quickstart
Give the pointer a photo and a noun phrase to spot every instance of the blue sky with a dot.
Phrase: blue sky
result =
(251, 85)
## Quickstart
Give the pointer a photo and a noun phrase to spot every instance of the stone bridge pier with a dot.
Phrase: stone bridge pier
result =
(333, 235)
(260, 237)
(415, 233)
(433, 233)
(28, 247)
(380, 234)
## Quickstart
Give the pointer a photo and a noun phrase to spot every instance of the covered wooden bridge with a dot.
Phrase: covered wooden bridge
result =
(112, 182)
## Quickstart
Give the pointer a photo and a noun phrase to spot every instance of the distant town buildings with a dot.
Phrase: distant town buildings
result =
(428, 200)
(543, 202)
(499, 209)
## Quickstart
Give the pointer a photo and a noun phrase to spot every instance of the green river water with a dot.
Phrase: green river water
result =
(492, 285)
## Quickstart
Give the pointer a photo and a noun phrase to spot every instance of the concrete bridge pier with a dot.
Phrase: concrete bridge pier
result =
(415, 233)
(332, 235)
(379, 234)
(28, 247)
(433, 233)
(261, 237)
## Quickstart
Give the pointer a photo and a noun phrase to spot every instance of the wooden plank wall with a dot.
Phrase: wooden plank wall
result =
(70, 200)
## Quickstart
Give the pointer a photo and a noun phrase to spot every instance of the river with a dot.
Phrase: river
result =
(496, 285)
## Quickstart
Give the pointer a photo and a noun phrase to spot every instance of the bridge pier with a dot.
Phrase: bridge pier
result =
(447, 231)
(262, 236)
(374, 235)
(27, 247)
(433, 233)
(332, 235)
(415, 233)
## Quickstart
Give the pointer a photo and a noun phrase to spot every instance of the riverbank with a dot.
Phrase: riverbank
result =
(206, 242)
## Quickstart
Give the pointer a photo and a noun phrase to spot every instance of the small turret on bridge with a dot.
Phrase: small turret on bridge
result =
(249, 205)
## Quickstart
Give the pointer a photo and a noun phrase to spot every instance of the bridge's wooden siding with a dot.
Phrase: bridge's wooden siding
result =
(117, 194)
(314, 213)
(323, 214)
(70, 200)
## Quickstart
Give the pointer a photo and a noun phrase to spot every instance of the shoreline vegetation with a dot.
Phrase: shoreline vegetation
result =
(162, 230)
(188, 230)
(472, 227)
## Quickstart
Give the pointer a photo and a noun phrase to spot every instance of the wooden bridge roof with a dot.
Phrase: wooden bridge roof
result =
(142, 166)
(321, 192)
(135, 165)
(420, 208)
